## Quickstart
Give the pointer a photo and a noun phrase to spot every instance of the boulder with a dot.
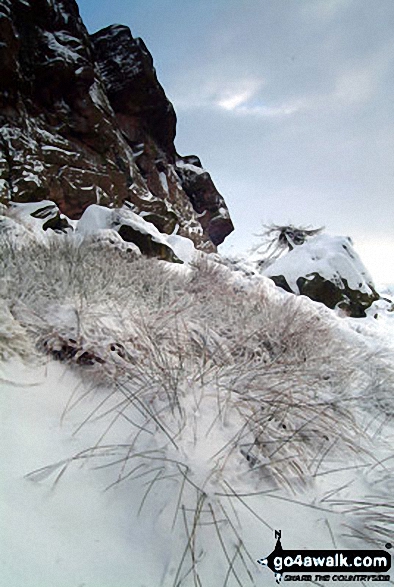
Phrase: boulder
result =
(131, 227)
(40, 216)
(326, 269)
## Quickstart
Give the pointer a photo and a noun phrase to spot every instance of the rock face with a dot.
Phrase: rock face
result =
(326, 269)
(84, 120)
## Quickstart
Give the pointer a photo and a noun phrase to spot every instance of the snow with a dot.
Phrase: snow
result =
(144, 403)
(4, 187)
(99, 97)
(127, 216)
(83, 530)
(332, 257)
(63, 45)
(189, 167)
(18, 233)
(378, 327)
(93, 219)
(223, 212)
(147, 197)
(138, 150)
(59, 536)
(112, 238)
(183, 247)
(97, 218)
(28, 176)
(163, 181)
(58, 149)
(22, 213)
(96, 223)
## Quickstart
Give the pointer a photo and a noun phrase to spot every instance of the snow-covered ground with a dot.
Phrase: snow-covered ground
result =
(159, 422)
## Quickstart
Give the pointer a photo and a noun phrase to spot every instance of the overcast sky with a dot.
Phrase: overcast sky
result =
(289, 105)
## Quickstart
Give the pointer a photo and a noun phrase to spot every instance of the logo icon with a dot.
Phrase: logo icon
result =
(313, 562)
(269, 560)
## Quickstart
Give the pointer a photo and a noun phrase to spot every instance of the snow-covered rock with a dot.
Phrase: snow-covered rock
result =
(327, 269)
(40, 216)
(117, 227)
(130, 227)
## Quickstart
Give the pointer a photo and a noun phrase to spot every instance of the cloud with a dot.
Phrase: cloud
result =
(322, 64)
(324, 10)
(234, 101)
(233, 94)
(354, 86)
(216, 90)
(356, 82)
(276, 92)
(239, 96)
(265, 111)
(245, 98)
(360, 82)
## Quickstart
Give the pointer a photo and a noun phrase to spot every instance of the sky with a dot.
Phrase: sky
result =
(288, 104)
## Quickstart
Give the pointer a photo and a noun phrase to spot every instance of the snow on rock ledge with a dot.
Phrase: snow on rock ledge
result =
(117, 226)
(38, 216)
(326, 269)
(132, 228)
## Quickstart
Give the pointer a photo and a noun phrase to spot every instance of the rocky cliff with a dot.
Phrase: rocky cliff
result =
(84, 120)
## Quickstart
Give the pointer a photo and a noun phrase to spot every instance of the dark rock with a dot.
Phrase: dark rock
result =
(352, 301)
(99, 223)
(52, 217)
(137, 98)
(281, 282)
(164, 222)
(83, 119)
(205, 198)
(147, 245)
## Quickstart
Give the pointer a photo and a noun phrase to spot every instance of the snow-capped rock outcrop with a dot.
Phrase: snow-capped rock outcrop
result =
(84, 120)
(39, 222)
(327, 269)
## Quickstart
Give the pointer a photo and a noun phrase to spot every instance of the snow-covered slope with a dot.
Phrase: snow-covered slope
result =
(160, 421)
